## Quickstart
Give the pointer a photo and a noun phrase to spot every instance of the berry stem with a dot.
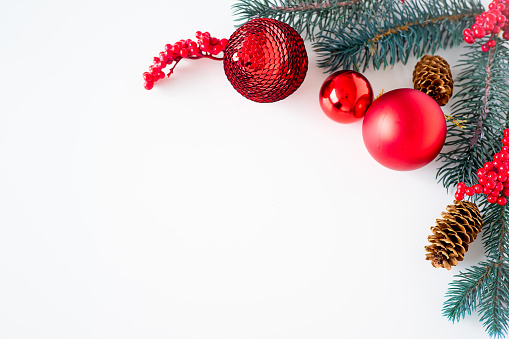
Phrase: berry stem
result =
(205, 47)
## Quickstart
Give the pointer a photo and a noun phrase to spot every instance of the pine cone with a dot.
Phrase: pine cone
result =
(432, 76)
(452, 234)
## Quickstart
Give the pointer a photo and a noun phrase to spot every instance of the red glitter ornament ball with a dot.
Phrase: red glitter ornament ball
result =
(265, 60)
(404, 129)
(345, 96)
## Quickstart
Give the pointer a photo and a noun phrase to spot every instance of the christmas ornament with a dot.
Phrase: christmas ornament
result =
(492, 177)
(433, 76)
(452, 234)
(265, 60)
(404, 129)
(345, 96)
(490, 23)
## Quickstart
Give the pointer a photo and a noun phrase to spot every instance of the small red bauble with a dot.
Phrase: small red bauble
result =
(404, 129)
(345, 96)
(265, 60)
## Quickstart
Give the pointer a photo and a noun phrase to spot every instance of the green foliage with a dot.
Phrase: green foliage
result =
(465, 292)
(383, 37)
(307, 17)
(485, 287)
(481, 105)
(496, 232)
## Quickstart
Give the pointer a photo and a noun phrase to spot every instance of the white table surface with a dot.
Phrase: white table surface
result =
(188, 211)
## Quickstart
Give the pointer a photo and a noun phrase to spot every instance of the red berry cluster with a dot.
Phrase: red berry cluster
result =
(205, 47)
(490, 23)
(493, 177)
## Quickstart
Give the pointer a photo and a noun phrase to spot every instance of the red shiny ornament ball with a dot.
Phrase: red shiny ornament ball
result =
(404, 129)
(265, 60)
(345, 96)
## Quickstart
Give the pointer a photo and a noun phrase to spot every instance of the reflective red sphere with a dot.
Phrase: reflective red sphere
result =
(404, 129)
(265, 60)
(345, 96)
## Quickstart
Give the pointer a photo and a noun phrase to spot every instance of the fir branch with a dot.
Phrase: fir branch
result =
(493, 308)
(482, 104)
(496, 232)
(465, 291)
(393, 32)
(307, 17)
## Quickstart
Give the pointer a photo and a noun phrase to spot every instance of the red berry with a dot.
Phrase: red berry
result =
(206, 47)
(184, 52)
(505, 140)
(148, 85)
(496, 29)
(194, 50)
(216, 49)
(491, 17)
(485, 48)
(161, 75)
(499, 186)
(147, 77)
(469, 39)
(479, 32)
(459, 196)
(481, 172)
(168, 47)
(198, 34)
(496, 163)
(505, 35)
(206, 35)
(469, 191)
(483, 180)
(501, 201)
(506, 132)
(224, 42)
(486, 190)
(461, 186)
(490, 184)
(492, 199)
(505, 192)
(492, 175)
(502, 178)
(491, 43)
(505, 148)
(478, 188)
(492, 5)
(488, 26)
(488, 165)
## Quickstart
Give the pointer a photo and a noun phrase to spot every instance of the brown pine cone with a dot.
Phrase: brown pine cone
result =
(432, 76)
(452, 234)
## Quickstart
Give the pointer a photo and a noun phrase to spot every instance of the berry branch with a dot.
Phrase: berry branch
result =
(205, 47)
(491, 23)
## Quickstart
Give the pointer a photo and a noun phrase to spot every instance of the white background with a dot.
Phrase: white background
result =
(188, 211)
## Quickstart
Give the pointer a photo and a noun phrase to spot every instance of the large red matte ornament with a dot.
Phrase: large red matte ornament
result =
(404, 129)
(265, 60)
(345, 96)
